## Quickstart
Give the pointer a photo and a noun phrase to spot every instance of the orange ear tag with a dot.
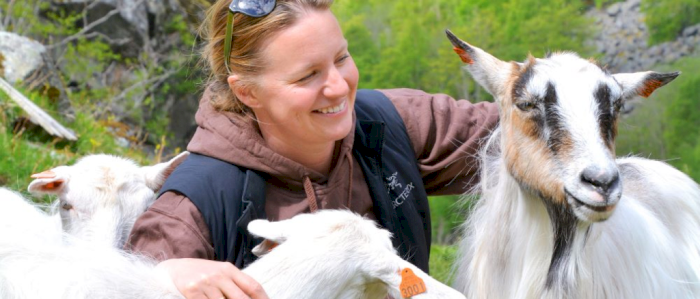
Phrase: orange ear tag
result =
(463, 55)
(44, 175)
(411, 284)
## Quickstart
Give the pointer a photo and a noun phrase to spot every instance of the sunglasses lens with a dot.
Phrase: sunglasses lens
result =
(252, 8)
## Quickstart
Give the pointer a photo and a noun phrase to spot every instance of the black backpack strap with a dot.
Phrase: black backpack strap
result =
(228, 197)
(385, 152)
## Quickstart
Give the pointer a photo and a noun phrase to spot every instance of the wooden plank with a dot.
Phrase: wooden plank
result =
(36, 114)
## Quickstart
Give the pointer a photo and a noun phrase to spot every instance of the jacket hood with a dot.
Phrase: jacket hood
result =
(235, 139)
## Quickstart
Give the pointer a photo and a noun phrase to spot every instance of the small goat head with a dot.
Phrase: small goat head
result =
(100, 196)
(350, 255)
(559, 123)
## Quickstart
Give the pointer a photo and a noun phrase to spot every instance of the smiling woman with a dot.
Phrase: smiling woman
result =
(284, 130)
(312, 65)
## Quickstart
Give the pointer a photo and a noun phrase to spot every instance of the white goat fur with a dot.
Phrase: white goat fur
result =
(648, 248)
(333, 254)
(75, 253)
(100, 196)
(329, 254)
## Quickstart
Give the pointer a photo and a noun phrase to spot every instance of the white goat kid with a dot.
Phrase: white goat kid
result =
(329, 254)
(553, 220)
(336, 254)
(101, 196)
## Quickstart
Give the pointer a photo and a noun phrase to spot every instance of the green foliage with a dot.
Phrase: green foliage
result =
(666, 126)
(441, 260)
(447, 213)
(26, 149)
(667, 18)
(683, 114)
(641, 133)
(403, 44)
(102, 79)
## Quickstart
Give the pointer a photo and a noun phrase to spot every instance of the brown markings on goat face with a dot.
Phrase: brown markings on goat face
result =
(533, 157)
(531, 163)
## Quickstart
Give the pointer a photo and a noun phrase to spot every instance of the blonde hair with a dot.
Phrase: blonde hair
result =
(249, 34)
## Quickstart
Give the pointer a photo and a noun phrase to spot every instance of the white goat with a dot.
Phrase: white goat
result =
(335, 254)
(100, 197)
(329, 254)
(75, 252)
(544, 226)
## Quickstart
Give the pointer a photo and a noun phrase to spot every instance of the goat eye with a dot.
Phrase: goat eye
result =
(66, 206)
(525, 105)
(618, 104)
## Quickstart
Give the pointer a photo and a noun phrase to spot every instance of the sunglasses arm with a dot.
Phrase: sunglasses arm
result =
(227, 42)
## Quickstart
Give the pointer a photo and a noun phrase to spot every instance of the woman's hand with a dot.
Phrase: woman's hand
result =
(205, 279)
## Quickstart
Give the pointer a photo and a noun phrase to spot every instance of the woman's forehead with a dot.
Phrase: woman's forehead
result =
(314, 37)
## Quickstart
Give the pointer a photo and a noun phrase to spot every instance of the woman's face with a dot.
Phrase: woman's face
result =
(306, 93)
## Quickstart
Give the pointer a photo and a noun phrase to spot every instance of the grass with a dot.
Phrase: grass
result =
(447, 213)
(441, 261)
(26, 148)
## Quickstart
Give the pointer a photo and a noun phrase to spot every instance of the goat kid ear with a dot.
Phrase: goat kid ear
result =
(264, 247)
(642, 83)
(489, 71)
(274, 234)
(156, 175)
(47, 182)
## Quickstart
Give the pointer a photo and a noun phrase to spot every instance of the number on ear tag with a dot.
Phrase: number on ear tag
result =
(411, 284)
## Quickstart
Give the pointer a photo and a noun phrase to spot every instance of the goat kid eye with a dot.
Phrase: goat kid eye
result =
(66, 206)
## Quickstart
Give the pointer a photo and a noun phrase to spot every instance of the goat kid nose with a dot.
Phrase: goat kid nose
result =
(600, 180)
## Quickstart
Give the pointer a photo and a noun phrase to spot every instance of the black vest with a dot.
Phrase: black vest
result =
(229, 196)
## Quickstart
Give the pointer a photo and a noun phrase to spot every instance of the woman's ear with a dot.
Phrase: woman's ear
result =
(242, 92)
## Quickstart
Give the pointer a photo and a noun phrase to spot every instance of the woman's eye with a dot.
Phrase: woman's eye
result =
(307, 77)
(343, 58)
(525, 105)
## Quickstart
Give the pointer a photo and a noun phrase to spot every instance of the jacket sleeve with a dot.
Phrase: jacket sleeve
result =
(446, 136)
(171, 228)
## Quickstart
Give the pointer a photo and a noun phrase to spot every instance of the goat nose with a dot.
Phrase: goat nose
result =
(603, 181)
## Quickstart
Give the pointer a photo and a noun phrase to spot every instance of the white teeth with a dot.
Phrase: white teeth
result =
(332, 109)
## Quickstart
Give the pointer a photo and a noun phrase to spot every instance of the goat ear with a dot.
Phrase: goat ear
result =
(47, 182)
(264, 247)
(489, 71)
(273, 231)
(157, 174)
(642, 83)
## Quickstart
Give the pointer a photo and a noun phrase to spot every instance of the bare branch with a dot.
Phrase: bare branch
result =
(87, 28)
(114, 42)
(154, 81)
(82, 32)
(36, 115)
(8, 16)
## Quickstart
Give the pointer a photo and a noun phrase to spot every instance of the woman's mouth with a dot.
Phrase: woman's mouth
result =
(331, 110)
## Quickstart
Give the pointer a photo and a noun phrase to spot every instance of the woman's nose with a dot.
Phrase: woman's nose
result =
(336, 85)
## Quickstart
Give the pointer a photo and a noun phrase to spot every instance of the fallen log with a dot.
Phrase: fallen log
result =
(36, 114)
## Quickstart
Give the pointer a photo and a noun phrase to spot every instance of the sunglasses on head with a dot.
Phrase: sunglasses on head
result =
(251, 8)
